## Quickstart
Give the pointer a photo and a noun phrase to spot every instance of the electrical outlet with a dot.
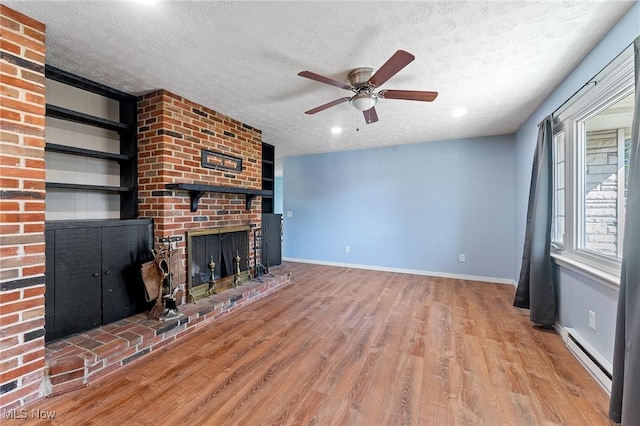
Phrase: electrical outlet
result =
(289, 213)
(347, 249)
(462, 257)
(592, 320)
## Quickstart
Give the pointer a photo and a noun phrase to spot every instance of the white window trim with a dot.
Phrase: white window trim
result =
(595, 274)
(612, 84)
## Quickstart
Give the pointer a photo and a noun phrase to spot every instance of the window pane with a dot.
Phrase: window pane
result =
(558, 181)
(604, 168)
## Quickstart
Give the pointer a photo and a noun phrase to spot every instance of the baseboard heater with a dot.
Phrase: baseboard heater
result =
(590, 363)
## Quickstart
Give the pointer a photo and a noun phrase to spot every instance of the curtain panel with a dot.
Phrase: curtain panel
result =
(625, 390)
(536, 290)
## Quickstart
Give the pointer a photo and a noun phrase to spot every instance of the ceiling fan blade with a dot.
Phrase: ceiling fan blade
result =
(370, 115)
(323, 79)
(327, 105)
(409, 95)
(399, 60)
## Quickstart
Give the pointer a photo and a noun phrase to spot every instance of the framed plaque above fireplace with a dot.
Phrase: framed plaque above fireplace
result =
(218, 160)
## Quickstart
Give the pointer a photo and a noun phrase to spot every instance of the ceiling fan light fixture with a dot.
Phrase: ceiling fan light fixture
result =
(364, 101)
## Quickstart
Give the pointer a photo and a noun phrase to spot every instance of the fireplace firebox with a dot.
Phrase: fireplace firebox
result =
(217, 259)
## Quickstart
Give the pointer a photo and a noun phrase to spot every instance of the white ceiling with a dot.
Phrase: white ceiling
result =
(497, 59)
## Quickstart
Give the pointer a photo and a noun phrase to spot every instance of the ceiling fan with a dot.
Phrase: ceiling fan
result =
(363, 82)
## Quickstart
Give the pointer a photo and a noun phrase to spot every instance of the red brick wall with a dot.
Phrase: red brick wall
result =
(22, 206)
(171, 133)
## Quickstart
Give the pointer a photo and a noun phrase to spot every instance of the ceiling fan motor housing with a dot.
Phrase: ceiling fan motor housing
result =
(359, 78)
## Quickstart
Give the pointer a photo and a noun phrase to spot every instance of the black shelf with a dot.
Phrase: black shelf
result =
(77, 186)
(64, 149)
(268, 175)
(196, 191)
(85, 84)
(82, 118)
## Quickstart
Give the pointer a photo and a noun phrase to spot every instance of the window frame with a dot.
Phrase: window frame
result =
(612, 84)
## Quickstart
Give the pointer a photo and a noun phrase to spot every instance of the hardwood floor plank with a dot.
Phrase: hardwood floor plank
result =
(353, 347)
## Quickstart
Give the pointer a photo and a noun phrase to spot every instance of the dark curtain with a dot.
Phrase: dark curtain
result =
(625, 390)
(536, 290)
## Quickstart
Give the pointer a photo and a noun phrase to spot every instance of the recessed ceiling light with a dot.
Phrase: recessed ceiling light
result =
(336, 130)
(459, 112)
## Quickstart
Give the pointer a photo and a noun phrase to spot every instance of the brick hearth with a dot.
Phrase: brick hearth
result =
(84, 358)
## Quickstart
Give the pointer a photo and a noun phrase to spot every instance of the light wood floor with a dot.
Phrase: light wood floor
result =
(354, 347)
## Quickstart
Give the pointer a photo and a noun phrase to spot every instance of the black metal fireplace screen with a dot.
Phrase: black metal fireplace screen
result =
(219, 246)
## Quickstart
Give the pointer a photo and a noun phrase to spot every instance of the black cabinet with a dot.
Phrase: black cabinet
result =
(92, 275)
(271, 249)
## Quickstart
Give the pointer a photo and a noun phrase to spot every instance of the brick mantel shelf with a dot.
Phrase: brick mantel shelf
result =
(196, 191)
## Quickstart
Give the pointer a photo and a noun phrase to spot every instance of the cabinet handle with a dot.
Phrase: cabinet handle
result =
(95, 274)
(107, 272)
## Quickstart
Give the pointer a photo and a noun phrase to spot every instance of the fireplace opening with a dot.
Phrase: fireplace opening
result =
(217, 259)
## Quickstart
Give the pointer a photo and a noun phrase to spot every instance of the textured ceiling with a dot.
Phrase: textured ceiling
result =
(497, 59)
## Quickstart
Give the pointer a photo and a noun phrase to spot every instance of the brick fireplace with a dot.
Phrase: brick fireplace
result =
(173, 135)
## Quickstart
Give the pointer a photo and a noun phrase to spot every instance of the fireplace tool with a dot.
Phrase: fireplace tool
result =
(161, 261)
(265, 247)
(257, 254)
(249, 264)
(175, 260)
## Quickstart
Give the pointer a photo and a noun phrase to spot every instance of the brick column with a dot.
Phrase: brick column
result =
(22, 208)
(172, 131)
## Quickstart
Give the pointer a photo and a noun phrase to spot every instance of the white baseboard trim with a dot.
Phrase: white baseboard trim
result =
(592, 361)
(406, 271)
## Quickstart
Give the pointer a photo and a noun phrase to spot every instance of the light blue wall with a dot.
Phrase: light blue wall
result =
(277, 196)
(412, 207)
(577, 293)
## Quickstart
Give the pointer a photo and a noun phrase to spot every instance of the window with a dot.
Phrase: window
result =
(591, 148)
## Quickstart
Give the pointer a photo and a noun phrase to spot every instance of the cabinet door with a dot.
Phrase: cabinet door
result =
(271, 245)
(77, 290)
(123, 247)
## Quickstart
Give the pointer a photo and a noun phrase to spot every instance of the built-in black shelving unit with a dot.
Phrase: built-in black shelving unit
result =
(126, 129)
(268, 176)
(93, 265)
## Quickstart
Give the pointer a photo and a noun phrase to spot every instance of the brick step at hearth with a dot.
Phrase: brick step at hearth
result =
(84, 358)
